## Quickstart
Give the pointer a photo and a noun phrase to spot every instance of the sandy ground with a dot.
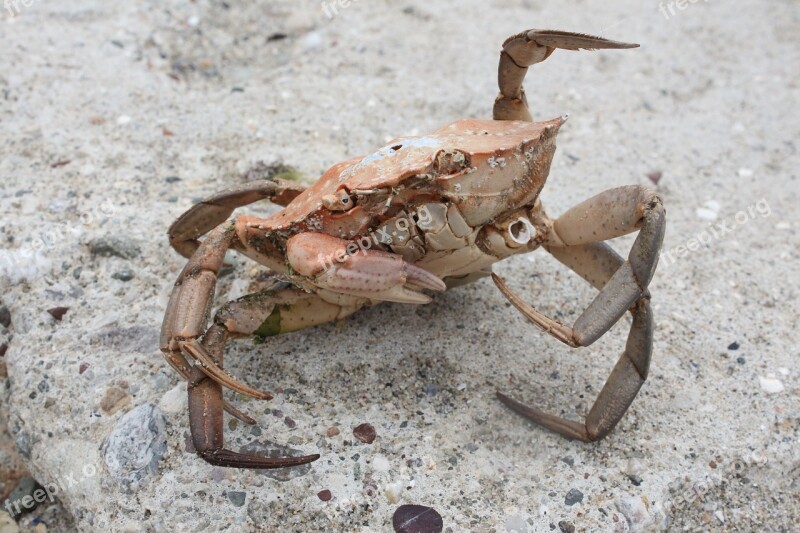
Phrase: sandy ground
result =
(116, 116)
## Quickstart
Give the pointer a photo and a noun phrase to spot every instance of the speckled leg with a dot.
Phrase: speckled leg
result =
(200, 362)
(208, 214)
(526, 49)
(623, 286)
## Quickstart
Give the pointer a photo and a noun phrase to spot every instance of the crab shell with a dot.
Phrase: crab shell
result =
(484, 167)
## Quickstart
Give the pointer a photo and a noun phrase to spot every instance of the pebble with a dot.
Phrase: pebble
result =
(124, 274)
(3, 349)
(516, 524)
(135, 446)
(635, 512)
(573, 496)
(655, 176)
(58, 312)
(325, 495)
(417, 519)
(365, 433)
(566, 527)
(393, 491)
(568, 460)
(636, 480)
(770, 384)
(746, 172)
(734, 346)
(83, 368)
(381, 463)
(237, 497)
(123, 247)
(114, 400)
(123, 119)
(25, 489)
(5, 316)
(331, 431)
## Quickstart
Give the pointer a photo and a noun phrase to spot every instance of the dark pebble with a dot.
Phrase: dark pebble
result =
(325, 495)
(58, 312)
(636, 480)
(655, 176)
(172, 179)
(237, 498)
(417, 519)
(569, 460)
(5, 316)
(3, 349)
(125, 274)
(291, 424)
(83, 368)
(122, 247)
(365, 433)
(566, 527)
(734, 346)
(740, 360)
(573, 496)
(25, 489)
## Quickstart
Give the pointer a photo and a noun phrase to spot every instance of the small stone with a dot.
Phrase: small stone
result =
(114, 400)
(516, 524)
(655, 176)
(568, 460)
(381, 464)
(573, 496)
(291, 424)
(740, 360)
(325, 495)
(634, 509)
(365, 433)
(331, 431)
(3, 349)
(417, 519)
(636, 480)
(393, 491)
(733, 346)
(172, 179)
(22, 497)
(5, 316)
(58, 312)
(770, 384)
(83, 368)
(745, 172)
(566, 527)
(124, 274)
(430, 389)
(237, 497)
(123, 120)
(123, 247)
(135, 446)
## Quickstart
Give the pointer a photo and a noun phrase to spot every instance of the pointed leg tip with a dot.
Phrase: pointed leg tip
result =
(230, 459)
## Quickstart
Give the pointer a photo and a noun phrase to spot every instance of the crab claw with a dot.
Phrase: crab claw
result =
(344, 267)
(574, 41)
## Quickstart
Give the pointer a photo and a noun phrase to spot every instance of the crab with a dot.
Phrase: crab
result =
(423, 213)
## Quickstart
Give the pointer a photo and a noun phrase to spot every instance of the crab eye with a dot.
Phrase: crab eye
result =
(521, 231)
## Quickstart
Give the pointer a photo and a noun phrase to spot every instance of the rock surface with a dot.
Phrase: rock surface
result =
(116, 116)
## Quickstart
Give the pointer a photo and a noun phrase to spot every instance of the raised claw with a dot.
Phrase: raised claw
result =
(574, 41)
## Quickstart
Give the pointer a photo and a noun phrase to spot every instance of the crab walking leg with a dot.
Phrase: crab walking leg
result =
(211, 212)
(622, 285)
(525, 49)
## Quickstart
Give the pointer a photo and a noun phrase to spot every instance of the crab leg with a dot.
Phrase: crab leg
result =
(211, 212)
(184, 322)
(525, 49)
(623, 286)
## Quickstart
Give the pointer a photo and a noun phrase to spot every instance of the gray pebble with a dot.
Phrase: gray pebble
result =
(566, 527)
(135, 446)
(573, 496)
(123, 274)
(24, 490)
(5, 316)
(237, 498)
(123, 247)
